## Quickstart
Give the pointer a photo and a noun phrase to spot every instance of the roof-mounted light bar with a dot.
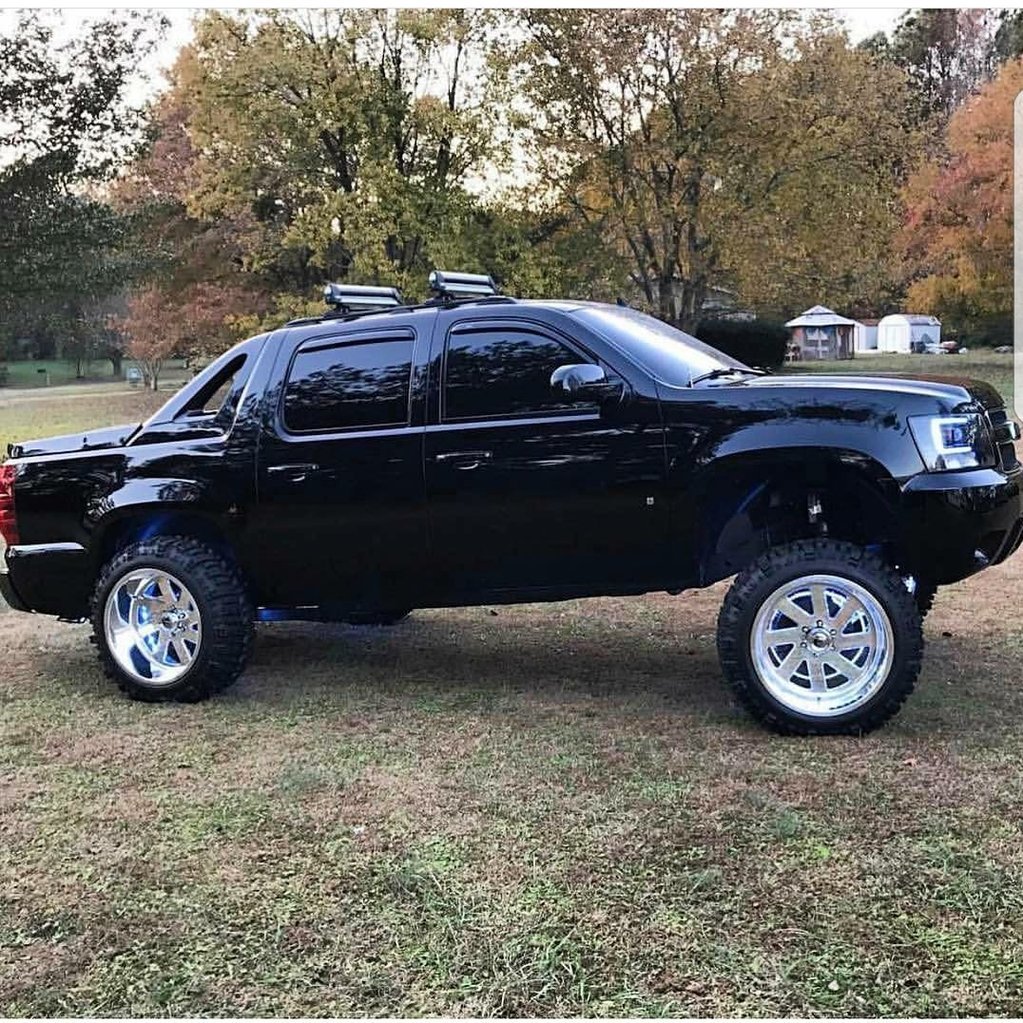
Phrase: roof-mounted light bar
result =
(359, 298)
(445, 284)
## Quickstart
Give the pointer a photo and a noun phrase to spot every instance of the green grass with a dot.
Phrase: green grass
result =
(25, 419)
(58, 372)
(983, 365)
(549, 810)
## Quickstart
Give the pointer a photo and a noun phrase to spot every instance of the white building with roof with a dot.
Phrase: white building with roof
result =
(820, 333)
(907, 332)
(865, 336)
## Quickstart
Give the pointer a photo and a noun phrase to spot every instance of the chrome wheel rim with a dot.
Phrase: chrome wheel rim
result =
(153, 627)
(822, 645)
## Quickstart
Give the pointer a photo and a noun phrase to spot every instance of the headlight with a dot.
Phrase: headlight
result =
(953, 442)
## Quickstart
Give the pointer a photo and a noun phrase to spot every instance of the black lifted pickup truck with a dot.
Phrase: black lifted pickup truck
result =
(482, 449)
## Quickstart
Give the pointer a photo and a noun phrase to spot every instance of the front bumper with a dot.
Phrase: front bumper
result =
(957, 523)
(51, 578)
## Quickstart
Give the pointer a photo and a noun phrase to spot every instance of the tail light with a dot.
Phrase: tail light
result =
(8, 518)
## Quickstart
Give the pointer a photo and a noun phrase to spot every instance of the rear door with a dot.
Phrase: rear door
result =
(528, 490)
(341, 493)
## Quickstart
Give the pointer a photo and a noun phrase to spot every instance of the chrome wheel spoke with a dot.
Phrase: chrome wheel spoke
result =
(845, 614)
(842, 665)
(791, 662)
(815, 669)
(794, 612)
(781, 637)
(857, 641)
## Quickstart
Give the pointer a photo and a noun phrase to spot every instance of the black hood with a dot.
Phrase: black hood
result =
(949, 388)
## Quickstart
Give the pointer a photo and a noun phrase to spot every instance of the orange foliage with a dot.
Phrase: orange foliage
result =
(957, 235)
(161, 323)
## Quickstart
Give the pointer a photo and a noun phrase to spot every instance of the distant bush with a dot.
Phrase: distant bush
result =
(756, 343)
(981, 332)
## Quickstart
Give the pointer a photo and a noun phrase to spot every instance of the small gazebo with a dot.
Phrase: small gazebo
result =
(820, 333)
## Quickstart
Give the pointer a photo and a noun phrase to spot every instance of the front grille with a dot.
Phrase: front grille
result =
(998, 419)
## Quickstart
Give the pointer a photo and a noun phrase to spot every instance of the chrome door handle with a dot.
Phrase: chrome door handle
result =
(297, 471)
(464, 460)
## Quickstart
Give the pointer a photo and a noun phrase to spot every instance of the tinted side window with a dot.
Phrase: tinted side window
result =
(503, 372)
(360, 384)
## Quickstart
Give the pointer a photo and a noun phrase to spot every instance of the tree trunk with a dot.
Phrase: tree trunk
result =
(116, 361)
(666, 298)
(690, 306)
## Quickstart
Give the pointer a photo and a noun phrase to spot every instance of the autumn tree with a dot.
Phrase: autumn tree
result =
(957, 241)
(706, 147)
(946, 54)
(343, 140)
(65, 123)
(151, 330)
(195, 263)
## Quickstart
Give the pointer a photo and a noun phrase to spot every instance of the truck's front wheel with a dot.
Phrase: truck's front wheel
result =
(171, 620)
(820, 637)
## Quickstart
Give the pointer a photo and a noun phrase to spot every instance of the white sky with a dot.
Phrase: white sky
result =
(862, 22)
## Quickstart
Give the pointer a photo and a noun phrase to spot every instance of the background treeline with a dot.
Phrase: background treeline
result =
(680, 159)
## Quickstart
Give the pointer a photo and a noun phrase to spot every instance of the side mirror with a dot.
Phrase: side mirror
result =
(584, 381)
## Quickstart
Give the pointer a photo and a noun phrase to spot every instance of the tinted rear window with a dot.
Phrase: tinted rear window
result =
(362, 384)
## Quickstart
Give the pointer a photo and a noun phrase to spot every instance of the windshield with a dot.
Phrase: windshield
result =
(665, 352)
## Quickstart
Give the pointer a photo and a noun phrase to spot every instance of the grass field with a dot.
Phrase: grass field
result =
(984, 365)
(28, 418)
(33, 373)
(539, 810)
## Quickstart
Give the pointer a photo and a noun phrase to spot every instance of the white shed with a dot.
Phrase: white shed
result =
(865, 336)
(907, 332)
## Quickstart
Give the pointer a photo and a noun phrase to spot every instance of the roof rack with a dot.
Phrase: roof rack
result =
(353, 301)
(352, 298)
(447, 285)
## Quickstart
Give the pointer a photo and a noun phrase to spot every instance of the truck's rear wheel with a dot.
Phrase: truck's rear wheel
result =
(820, 637)
(171, 620)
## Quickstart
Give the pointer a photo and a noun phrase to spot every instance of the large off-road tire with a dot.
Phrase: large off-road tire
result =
(377, 617)
(820, 637)
(172, 620)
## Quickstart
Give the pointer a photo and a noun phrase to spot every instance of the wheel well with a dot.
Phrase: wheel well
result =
(748, 509)
(147, 523)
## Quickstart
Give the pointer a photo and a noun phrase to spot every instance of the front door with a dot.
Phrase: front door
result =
(530, 491)
(341, 499)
